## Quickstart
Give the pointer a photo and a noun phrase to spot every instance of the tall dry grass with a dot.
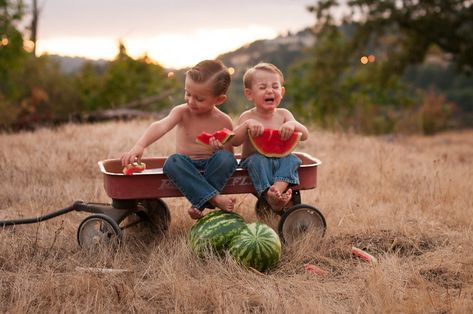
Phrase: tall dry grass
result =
(406, 200)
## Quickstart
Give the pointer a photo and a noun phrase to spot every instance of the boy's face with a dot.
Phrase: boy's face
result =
(266, 90)
(200, 97)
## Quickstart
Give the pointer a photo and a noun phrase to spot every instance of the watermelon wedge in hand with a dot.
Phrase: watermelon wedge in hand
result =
(270, 144)
(134, 168)
(223, 135)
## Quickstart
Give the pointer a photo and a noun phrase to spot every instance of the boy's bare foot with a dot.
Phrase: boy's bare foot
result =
(286, 196)
(224, 202)
(195, 213)
(276, 199)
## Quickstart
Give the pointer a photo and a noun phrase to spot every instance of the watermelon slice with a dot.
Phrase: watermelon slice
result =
(223, 135)
(270, 143)
(311, 268)
(364, 255)
(133, 168)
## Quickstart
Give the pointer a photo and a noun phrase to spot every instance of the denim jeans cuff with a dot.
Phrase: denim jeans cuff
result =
(261, 189)
(206, 199)
(290, 181)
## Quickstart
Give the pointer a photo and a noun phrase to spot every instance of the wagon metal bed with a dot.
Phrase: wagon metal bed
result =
(140, 195)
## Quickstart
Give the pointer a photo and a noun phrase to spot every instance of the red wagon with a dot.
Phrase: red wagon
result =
(140, 195)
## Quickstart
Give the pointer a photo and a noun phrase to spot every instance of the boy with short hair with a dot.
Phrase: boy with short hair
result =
(272, 177)
(199, 172)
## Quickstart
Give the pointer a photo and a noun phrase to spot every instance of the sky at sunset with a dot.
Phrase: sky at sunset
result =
(175, 33)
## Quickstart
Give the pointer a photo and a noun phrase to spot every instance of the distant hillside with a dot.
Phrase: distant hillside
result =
(281, 51)
(73, 64)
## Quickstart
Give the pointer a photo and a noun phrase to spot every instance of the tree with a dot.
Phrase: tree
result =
(353, 77)
(12, 53)
(331, 87)
(12, 58)
(121, 81)
(34, 25)
(413, 27)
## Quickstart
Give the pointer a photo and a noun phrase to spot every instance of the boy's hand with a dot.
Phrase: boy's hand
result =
(286, 130)
(215, 144)
(256, 128)
(134, 155)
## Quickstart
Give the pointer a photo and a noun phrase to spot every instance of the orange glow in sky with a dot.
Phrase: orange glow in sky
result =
(175, 34)
(170, 50)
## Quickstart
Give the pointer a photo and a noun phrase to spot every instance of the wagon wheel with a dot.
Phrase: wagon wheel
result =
(301, 220)
(265, 213)
(98, 230)
(155, 214)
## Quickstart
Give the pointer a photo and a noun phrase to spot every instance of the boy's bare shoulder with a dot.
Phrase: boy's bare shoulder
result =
(181, 107)
(285, 113)
(179, 110)
(222, 115)
(247, 114)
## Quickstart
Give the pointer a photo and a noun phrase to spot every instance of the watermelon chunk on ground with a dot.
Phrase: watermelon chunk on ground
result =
(270, 144)
(223, 135)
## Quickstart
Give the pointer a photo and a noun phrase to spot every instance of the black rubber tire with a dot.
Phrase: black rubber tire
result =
(301, 219)
(98, 230)
(263, 210)
(156, 214)
(266, 214)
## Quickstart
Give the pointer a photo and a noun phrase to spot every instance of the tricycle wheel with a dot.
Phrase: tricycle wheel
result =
(301, 220)
(155, 214)
(98, 230)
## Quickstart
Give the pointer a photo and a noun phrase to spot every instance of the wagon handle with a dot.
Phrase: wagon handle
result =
(75, 206)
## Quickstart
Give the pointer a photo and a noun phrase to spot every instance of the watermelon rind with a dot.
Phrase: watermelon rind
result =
(213, 233)
(257, 246)
(269, 143)
(223, 135)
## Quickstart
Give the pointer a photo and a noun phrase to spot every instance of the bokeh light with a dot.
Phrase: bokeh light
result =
(371, 58)
(364, 60)
(231, 70)
(28, 45)
(170, 74)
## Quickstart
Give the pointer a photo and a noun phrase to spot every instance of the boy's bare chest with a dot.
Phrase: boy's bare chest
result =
(270, 122)
(192, 127)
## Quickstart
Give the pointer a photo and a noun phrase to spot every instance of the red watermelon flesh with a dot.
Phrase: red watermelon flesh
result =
(134, 168)
(270, 143)
(223, 135)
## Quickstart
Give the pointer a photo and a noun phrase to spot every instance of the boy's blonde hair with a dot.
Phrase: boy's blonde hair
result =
(263, 66)
(211, 70)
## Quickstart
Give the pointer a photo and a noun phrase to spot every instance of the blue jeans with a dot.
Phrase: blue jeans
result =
(200, 180)
(264, 171)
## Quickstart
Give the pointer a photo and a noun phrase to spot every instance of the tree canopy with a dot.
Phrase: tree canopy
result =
(406, 28)
(12, 56)
(354, 76)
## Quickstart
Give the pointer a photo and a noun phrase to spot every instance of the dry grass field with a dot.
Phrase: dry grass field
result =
(406, 200)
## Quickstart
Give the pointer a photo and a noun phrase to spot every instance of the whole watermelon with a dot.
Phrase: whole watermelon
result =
(214, 231)
(257, 246)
